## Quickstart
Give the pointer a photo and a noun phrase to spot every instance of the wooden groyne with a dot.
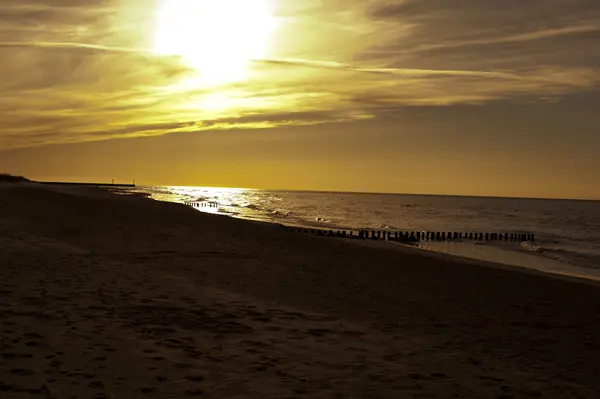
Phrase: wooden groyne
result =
(401, 236)
(203, 204)
(416, 236)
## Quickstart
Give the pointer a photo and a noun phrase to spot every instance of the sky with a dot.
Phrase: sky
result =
(466, 97)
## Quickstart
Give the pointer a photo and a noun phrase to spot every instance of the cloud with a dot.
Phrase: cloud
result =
(514, 38)
(77, 70)
(449, 25)
(387, 71)
(67, 45)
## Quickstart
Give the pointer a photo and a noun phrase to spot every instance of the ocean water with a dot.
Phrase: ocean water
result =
(567, 232)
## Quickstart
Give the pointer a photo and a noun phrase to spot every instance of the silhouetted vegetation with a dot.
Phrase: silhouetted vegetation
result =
(6, 178)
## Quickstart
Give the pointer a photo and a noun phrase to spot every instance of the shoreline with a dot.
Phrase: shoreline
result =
(521, 261)
(122, 296)
(444, 256)
(542, 255)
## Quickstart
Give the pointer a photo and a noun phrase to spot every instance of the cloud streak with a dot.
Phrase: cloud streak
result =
(70, 45)
(516, 38)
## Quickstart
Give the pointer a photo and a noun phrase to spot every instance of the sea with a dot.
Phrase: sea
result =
(567, 232)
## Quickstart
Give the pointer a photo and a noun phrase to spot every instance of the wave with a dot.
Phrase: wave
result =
(572, 257)
(252, 206)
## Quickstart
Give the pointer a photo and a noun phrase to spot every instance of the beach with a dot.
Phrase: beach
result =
(120, 296)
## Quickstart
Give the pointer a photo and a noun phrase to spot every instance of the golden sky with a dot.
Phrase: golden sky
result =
(427, 96)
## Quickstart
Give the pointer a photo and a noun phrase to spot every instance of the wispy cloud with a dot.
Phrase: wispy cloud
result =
(68, 45)
(514, 38)
(77, 70)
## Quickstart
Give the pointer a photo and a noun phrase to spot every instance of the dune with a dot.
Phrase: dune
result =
(107, 296)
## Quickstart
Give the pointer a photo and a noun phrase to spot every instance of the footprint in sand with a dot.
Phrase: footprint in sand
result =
(96, 384)
(439, 375)
(33, 336)
(194, 354)
(319, 332)
(22, 372)
(184, 365)
(4, 387)
(195, 378)
(10, 355)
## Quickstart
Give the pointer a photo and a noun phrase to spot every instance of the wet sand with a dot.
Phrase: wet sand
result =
(108, 296)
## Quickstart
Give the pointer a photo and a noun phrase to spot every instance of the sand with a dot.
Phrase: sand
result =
(106, 296)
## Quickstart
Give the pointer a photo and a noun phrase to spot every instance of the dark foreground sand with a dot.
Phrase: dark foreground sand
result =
(124, 297)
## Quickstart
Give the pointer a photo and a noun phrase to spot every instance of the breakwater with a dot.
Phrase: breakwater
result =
(416, 236)
(397, 235)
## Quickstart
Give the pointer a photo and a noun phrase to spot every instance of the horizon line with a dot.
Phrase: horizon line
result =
(358, 192)
(381, 193)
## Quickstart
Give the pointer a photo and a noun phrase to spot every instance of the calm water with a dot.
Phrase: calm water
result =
(567, 232)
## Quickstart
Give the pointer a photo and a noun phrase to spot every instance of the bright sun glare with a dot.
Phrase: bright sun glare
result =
(218, 38)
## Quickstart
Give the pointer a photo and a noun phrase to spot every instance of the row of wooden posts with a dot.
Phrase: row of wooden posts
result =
(398, 236)
(416, 236)
(204, 204)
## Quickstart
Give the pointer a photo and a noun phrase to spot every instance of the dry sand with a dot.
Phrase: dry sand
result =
(105, 296)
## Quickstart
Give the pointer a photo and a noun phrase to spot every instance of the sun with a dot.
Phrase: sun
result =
(218, 38)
